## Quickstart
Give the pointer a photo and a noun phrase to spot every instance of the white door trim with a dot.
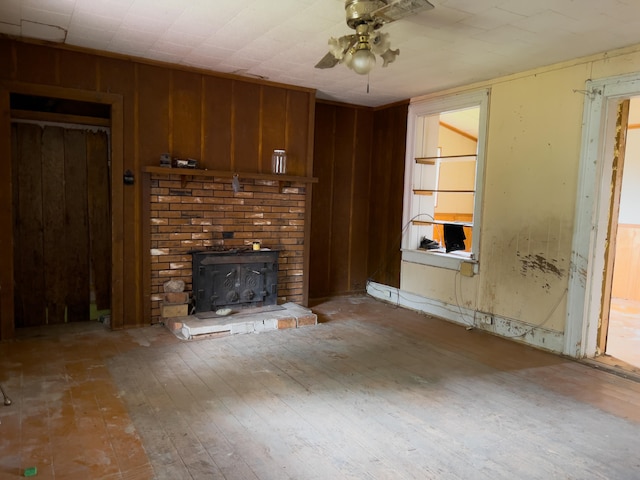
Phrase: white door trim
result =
(592, 211)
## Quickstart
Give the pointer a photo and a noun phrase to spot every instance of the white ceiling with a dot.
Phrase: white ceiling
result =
(458, 42)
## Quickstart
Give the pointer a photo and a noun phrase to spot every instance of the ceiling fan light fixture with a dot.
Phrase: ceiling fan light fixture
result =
(358, 51)
(362, 61)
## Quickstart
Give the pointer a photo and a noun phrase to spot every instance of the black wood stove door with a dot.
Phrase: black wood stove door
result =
(237, 280)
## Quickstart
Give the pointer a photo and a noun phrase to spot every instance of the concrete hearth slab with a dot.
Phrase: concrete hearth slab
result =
(255, 320)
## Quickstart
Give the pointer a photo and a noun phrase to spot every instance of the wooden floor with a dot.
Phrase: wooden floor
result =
(372, 392)
(623, 340)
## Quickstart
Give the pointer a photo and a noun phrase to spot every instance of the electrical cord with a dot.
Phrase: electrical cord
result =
(388, 257)
(555, 307)
(457, 287)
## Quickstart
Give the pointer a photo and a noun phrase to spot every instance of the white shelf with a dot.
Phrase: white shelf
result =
(441, 222)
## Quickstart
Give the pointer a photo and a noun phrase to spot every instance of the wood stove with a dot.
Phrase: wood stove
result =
(234, 278)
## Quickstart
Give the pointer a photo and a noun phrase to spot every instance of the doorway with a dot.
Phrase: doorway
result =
(619, 337)
(597, 220)
(61, 222)
(112, 116)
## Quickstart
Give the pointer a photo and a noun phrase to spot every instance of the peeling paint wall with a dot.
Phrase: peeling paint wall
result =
(530, 190)
(531, 174)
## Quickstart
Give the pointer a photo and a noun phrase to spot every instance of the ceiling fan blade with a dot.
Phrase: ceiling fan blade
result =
(338, 47)
(328, 61)
(397, 9)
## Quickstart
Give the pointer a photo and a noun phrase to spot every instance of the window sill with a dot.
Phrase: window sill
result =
(439, 258)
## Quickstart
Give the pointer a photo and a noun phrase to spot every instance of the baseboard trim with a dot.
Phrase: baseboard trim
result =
(509, 328)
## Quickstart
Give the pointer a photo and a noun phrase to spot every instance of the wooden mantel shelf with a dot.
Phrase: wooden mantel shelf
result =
(194, 172)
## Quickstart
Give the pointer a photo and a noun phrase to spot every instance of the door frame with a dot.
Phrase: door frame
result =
(7, 324)
(585, 298)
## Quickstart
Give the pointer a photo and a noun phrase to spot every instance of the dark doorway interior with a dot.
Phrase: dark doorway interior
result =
(61, 214)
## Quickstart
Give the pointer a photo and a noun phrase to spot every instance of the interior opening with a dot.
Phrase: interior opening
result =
(622, 340)
(61, 211)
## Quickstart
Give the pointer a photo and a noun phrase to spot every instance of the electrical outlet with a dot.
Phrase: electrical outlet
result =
(486, 319)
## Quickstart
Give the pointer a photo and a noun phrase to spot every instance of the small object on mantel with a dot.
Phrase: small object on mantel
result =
(279, 162)
(235, 183)
(223, 312)
(165, 160)
(184, 163)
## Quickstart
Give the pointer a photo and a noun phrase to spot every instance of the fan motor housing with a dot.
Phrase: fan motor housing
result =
(359, 11)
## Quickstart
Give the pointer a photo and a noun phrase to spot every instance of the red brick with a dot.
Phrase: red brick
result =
(288, 322)
(175, 298)
(307, 320)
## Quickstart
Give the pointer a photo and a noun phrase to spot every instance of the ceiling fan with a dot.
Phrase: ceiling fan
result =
(358, 51)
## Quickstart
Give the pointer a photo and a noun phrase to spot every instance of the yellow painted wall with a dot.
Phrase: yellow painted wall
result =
(456, 175)
(530, 187)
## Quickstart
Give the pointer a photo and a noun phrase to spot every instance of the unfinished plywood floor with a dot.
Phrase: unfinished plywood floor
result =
(373, 392)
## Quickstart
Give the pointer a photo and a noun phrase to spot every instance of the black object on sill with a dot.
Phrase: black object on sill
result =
(428, 244)
(454, 237)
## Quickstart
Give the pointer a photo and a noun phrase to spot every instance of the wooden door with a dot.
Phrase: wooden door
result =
(616, 187)
(61, 215)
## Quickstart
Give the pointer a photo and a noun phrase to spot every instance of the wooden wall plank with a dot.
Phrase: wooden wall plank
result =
(29, 264)
(297, 127)
(359, 244)
(186, 97)
(99, 216)
(117, 76)
(29, 231)
(321, 205)
(385, 218)
(245, 127)
(119, 268)
(216, 111)
(53, 215)
(7, 186)
(36, 64)
(77, 70)
(15, 282)
(76, 226)
(342, 206)
(153, 106)
(7, 61)
(273, 113)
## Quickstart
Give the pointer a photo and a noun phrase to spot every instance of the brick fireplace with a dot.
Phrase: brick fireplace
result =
(197, 212)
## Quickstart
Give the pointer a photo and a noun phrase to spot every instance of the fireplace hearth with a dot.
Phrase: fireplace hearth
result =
(234, 278)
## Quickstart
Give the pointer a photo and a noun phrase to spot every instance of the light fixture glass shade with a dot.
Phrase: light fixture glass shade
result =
(363, 61)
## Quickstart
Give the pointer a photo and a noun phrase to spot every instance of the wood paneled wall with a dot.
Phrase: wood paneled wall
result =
(387, 180)
(357, 203)
(227, 123)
